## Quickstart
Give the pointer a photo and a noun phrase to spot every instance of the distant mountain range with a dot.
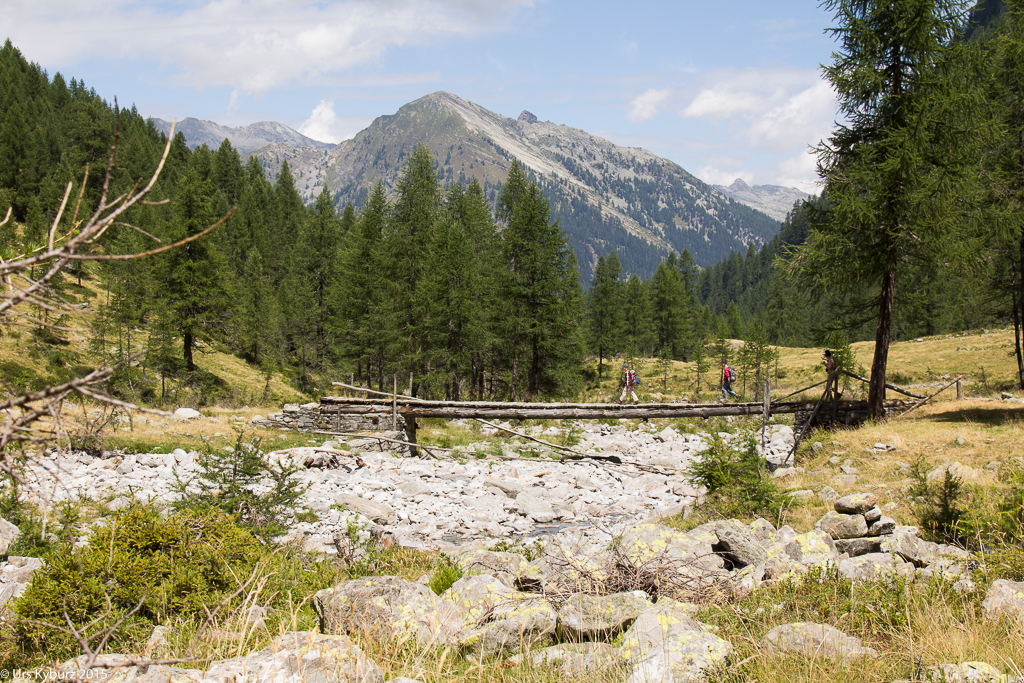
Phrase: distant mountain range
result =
(244, 139)
(774, 200)
(606, 197)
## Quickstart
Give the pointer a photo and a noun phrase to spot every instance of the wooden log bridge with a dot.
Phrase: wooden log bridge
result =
(412, 408)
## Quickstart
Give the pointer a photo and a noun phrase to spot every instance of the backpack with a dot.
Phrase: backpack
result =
(631, 378)
(730, 374)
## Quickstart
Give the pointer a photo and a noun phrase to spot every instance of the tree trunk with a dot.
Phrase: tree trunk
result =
(883, 337)
(1016, 322)
(188, 343)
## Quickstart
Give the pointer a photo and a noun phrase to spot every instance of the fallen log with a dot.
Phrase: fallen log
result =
(895, 388)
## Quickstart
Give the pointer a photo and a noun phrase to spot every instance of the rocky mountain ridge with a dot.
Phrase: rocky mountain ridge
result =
(774, 200)
(606, 197)
(244, 139)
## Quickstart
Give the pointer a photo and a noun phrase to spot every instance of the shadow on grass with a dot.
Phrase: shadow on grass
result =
(989, 416)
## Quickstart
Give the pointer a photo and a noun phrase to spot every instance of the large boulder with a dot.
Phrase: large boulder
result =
(665, 557)
(390, 605)
(511, 569)
(8, 535)
(840, 525)
(478, 596)
(874, 566)
(114, 668)
(299, 656)
(815, 640)
(572, 659)
(665, 645)
(371, 509)
(598, 617)
(738, 543)
(812, 549)
(1005, 599)
(855, 503)
(520, 622)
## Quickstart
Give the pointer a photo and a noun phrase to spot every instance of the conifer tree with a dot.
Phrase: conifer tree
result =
(605, 325)
(193, 284)
(891, 167)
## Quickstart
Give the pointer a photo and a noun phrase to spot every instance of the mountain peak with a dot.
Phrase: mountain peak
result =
(739, 186)
(527, 117)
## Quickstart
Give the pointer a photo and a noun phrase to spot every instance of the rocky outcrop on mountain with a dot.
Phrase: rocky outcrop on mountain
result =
(244, 139)
(774, 200)
(605, 196)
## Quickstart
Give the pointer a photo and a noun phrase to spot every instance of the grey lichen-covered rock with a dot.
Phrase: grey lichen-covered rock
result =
(882, 526)
(597, 617)
(299, 656)
(378, 512)
(828, 495)
(762, 530)
(660, 548)
(839, 525)
(1005, 599)
(478, 596)
(874, 566)
(812, 549)
(665, 644)
(8, 534)
(511, 569)
(974, 672)
(521, 622)
(855, 503)
(118, 672)
(390, 605)
(573, 659)
(816, 640)
(855, 547)
(737, 543)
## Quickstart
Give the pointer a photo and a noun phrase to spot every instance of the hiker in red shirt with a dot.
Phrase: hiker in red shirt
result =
(629, 380)
(728, 375)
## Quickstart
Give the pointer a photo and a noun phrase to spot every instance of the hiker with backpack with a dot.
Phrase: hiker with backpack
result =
(629, 380)
(832, 384)
(728, 375)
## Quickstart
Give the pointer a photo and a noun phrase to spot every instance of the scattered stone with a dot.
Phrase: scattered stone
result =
(828, 495)
(599, 617)
(665, 644)
(874, 566)
(8, 535)
(839, 525)
(378, 512)
(815, 640)
(187, 414)
(975, 672)
(1005, 599)
(303, 654)
(844, 480)
(856, 503)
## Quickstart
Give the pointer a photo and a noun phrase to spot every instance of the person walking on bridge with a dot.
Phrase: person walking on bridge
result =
(728, 375)
(629, 380)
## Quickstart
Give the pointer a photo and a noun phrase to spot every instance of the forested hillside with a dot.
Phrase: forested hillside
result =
(422, 284)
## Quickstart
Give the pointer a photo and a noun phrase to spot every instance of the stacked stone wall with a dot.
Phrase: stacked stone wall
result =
(308, 418)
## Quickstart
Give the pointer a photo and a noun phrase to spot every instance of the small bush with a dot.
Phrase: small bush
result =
(446, 574)
(230, 481)
(939, 507)
(737, 481)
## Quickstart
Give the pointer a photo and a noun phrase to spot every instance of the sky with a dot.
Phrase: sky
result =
(731, 90)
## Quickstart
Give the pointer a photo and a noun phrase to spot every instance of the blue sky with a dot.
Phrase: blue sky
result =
(725, 90)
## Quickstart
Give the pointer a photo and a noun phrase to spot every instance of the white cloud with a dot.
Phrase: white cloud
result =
(800, 171)
(723, 176)
(250, 45)
(806, 117)
(645, 106)
(326, 126)
(723, 103)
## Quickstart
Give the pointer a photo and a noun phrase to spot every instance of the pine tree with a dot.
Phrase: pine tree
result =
(193, 283)
(891, 167)
(605, 309)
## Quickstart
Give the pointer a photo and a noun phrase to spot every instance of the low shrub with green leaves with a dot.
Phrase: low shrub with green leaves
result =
(737, 481)
(231, 481)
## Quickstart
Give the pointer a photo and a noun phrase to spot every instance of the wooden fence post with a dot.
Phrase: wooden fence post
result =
(959, 390)
(394, 405)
